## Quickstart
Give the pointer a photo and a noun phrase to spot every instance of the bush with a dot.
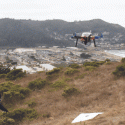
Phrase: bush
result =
(55, 70)
(107, 60)
(70, 91)
(90, 68)
(94, 64)
(12, 93)
(59, 84)
(123, 60)
(71, 71)
(120, 70)
(20, 114)
(4, 70)
(101, 62)
(37, 84)
(74, 66)
(32, 104)
(7, 121)
(2, 76)
(4, 87)
(14, 74)
(13, 96)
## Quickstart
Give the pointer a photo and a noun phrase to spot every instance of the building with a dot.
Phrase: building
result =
(47, 67)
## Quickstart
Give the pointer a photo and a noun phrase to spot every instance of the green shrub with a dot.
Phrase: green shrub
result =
(14, 74)
(101, 62)
(74, 66)
(123, 60)
(40, 72)
(2, 76)
(90, 68)
(55, 70)
(24, 91)
(71, 71)
(59, 84)
(94, 63)
(120, 70)
(4, 70)
(37, 84)
(12, 93)
(4, 87)
(7, 121)
(70, 91)
(12, 96)
(107, 60)
(20, 114)
(32, 104)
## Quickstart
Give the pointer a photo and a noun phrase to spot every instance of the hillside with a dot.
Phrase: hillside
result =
(29, 33)
(92, 89)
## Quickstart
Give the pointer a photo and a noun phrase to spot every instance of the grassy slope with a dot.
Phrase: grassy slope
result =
(100, 92)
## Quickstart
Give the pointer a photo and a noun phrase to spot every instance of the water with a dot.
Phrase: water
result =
(120, 53)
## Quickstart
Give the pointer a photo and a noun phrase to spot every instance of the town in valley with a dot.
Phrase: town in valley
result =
(44, 58)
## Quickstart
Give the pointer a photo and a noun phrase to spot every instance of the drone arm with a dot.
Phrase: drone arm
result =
(97, 37)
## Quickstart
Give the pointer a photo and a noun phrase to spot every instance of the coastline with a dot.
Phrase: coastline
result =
(103, 54)
(107, 54)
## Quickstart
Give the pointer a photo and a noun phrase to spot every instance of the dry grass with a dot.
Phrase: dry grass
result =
(99, 90)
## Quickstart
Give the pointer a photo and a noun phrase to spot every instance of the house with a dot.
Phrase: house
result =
(47, 67)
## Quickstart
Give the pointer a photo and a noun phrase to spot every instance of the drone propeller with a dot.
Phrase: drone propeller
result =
(74, 34)
(99, 36)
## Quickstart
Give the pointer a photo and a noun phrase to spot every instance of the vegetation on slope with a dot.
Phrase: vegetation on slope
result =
(16, 116)
(120, 69)
(12, 93)
(37, 84)
(14, 74)
(60, 99)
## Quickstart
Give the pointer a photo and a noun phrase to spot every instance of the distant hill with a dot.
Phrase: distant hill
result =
(29, 33)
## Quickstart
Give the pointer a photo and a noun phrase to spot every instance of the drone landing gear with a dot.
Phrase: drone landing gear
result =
(76, 42)
(85, 42)
(94, 42)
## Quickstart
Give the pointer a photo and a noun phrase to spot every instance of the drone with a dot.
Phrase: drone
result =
(86, 37)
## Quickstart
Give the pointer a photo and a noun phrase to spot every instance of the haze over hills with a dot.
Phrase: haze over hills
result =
(29, 33)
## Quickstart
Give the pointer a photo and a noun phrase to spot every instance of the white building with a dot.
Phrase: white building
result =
(47, 67)
(25, 68)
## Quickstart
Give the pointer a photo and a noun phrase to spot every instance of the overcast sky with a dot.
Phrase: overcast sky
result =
(112, 11)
